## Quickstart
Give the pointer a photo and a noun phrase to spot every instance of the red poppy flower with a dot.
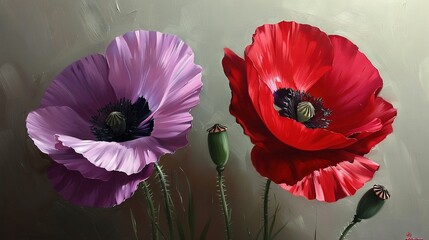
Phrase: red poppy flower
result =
(309, 103)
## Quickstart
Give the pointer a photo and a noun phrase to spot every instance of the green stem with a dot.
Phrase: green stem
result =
(355, 220)
(167, 200)
(152, 214)
(267, 189)
(224, 204)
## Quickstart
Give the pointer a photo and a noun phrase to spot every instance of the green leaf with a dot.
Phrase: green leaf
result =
(159, 228)
(278, 231)
(258, 233)
(191, 210)
(315, 233)
(133, 222)
(203, 234)
(182, 235)
(248, 234)
(273, 221)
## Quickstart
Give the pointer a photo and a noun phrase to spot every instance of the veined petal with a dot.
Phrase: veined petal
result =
(152, 65)
(129, 157)
(83, 86)
(289, 55)
(74, 161)
(335, 182)
(290, 131)
(92, 192)
(290, 165)
(324, 175)
(349, 89)
(44, 123)
(241, 107)
(43, 127)
(173, 118)
(385, 113)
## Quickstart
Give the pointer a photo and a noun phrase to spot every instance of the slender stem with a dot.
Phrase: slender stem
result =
(224, 204)
(343, 235)
(267, 189)
(152, 214)
(167, 200)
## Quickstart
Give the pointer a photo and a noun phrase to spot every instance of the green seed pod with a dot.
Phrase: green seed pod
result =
(304, 111)
(117, 122)
(218, 145)
(371, 202)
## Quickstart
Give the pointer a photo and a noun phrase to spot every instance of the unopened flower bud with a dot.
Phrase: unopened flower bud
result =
(371, 202)
(218, 145)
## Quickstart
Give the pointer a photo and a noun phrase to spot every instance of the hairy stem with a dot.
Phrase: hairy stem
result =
(343, 235)
(152, 213)
(267, 189)
(224, 204)
(167, 200)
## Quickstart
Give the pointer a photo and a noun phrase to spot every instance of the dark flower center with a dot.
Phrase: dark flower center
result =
(119, 121)
(301, 107)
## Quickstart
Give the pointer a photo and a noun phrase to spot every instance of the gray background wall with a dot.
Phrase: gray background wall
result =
(38, 38)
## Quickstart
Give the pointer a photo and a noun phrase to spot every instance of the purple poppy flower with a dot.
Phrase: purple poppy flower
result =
(106, 119)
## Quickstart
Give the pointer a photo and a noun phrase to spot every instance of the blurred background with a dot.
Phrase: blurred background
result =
(38, 38)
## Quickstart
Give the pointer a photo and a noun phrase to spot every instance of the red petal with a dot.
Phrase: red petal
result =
(279, 54)
(345, 174)
(349, 89)
(240, 107)
(287, 130)
(385, 113)
(290, 166)
(334, 183)
(290, 55)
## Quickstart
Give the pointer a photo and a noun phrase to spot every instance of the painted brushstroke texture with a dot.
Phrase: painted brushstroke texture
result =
(39, 38)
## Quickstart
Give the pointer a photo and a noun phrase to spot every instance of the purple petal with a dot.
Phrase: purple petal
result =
(152, 65)
(160, 68)
(72, 186)
(74, 161)
(43, 126)
(128, 157)
(173, 119)
(132, 156)
(44, 123)
(83, 86)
